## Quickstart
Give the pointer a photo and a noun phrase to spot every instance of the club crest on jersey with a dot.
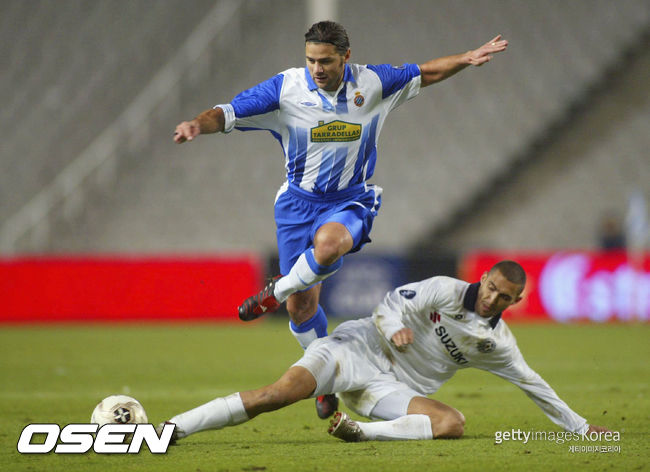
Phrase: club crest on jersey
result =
(359, 100)
(408, 294)
(486, 345)
(335, 132)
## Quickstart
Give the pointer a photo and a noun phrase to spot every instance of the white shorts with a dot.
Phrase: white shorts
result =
(350, 362)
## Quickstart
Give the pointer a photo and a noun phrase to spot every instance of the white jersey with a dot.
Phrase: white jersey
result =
(329, 139)
(449, 335)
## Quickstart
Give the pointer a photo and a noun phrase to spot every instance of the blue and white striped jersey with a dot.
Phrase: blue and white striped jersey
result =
(329, 139)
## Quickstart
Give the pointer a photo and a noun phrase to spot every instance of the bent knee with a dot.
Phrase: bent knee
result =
(328, 251)
(329, 246)
(451, 426)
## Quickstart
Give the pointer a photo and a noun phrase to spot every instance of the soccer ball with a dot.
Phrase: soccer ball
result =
(118, 409)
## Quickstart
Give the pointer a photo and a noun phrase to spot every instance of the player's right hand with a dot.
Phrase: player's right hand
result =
(186, 131)
(402, 339)
(597, 429)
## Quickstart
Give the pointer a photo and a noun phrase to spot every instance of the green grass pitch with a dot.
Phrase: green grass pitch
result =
(58, 373)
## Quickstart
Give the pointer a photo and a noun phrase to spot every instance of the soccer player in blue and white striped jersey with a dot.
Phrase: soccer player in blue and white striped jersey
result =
(327, 117)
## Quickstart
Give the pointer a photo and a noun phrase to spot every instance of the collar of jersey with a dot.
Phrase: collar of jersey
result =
(347, 77)
(469, 302)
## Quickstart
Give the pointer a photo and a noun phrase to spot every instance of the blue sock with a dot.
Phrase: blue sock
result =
(315, 327)
(322, 270)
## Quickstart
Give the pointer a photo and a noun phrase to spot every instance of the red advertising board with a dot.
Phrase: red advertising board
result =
(574, 285)
(100, 288)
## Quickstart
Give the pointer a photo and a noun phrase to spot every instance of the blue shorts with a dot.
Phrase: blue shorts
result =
(299, 214)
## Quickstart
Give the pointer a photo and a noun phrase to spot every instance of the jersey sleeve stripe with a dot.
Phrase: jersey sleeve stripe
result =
(260, 99)
(393, 79)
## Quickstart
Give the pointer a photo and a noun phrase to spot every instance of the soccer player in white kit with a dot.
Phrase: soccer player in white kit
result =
(384, 366)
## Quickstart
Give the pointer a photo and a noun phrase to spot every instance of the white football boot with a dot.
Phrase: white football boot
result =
(176, 435)
(342, 427)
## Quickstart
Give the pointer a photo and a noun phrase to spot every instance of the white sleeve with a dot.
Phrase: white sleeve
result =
(516, 371)
(387, 316)
(228, 115)
(408, 299)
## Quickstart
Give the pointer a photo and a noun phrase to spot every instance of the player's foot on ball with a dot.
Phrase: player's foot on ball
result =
(176, 435)
(326, 405)
(342, 427)
(260, 304)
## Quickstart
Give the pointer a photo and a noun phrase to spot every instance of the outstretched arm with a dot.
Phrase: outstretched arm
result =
(514, 369)
(209, 121)
(439, 69)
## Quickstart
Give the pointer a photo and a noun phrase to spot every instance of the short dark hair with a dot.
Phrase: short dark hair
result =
(512, 271)
(329, 32)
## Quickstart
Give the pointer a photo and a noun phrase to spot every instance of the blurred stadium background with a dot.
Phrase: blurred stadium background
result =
(541, 155)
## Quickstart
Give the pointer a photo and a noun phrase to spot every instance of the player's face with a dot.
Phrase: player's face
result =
(325, 64)
(495, 294)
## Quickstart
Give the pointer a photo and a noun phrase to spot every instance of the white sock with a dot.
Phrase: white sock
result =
(311, 329)
(405, 427)
(305, 338)
(216, 414)
(302, 276)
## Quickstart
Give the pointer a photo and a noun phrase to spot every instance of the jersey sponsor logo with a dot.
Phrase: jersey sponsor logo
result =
(435, 316)
(459, 317)
(486, 345)
(450, 345)
(335, 132)
(359, 99)
(408, 294)
(308, 104)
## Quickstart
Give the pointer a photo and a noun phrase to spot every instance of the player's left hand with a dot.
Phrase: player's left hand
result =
(480, 56)
(597, 429)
